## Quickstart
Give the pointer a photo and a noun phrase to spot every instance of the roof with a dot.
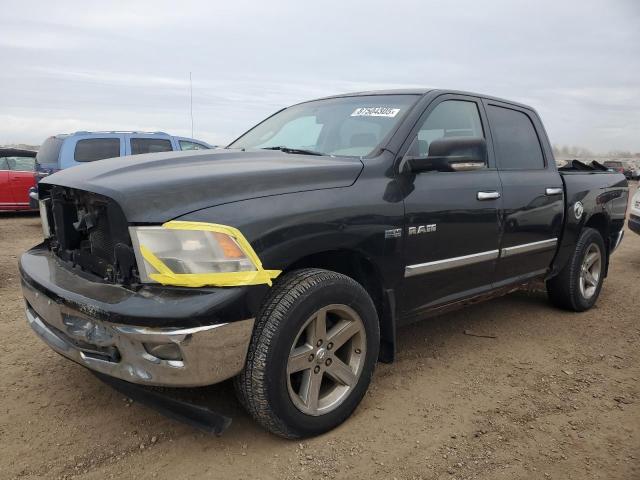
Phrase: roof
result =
(424, 91)
(16, 152)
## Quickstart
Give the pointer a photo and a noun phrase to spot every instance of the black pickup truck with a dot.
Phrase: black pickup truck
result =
(288, 259)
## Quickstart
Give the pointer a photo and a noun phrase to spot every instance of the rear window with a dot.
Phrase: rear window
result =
(613, 164)
(149, 145)
(49, 152)
(515, 139)
(93, 149)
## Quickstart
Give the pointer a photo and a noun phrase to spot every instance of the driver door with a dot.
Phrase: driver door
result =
(451, 218)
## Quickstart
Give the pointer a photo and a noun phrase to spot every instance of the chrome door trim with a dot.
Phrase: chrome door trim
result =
(528, 247)
(445, 264)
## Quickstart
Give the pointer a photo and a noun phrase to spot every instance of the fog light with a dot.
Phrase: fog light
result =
(164, 351)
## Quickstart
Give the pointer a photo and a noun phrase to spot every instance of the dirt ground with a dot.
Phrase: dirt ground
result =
(554, 395)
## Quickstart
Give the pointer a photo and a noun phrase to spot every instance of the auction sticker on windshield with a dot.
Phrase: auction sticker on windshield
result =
(375, 112)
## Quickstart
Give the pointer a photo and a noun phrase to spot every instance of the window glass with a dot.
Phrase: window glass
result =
(49, 152)
(21, 164)
(345, 126)
(515, 139)
(150, 145)
(300, 131)
(3, 164)
(187, 145)
(451, 118)
(92, 149)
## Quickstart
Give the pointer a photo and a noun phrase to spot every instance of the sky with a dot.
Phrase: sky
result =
(108, 65)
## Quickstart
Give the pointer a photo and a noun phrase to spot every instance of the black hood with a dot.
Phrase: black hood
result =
(158, 187)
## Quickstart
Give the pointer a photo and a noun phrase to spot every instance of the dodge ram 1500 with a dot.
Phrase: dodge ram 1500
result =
(288, 259)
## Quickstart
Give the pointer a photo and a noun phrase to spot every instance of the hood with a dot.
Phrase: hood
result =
(158, 187)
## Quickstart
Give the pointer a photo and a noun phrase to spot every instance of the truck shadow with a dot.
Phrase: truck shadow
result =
(498, 318)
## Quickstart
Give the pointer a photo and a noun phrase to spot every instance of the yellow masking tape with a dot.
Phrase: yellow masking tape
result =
(166, 276)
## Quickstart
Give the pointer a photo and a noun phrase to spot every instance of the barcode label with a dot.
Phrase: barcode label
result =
(375, 112)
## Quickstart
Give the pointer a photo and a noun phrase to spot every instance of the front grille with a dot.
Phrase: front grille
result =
(89, 232)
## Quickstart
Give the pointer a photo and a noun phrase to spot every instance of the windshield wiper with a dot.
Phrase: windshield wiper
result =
(300, 151)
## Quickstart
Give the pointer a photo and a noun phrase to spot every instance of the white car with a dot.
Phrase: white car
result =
(634, 217)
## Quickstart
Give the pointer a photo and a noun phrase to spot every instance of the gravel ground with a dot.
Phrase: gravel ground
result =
(554, 395)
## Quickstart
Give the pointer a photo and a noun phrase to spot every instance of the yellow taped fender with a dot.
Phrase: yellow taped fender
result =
(166, 276)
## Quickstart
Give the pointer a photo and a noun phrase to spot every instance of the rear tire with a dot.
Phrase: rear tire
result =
(578, 285)
(312, 354)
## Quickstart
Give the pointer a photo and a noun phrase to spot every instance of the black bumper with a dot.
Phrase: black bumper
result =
(634, 224)
(147, 306)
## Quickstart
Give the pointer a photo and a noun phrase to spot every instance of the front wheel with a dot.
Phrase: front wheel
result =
(312, 354)
(578, 285)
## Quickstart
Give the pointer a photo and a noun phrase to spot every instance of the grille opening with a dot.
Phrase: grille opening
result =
(90, 232)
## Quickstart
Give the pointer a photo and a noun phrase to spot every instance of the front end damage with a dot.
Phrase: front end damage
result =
(83, 298)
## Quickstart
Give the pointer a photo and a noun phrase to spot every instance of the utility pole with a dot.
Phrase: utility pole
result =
(191, 101)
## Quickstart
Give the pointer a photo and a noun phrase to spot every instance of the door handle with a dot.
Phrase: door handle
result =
(491, 195)
(553, 191)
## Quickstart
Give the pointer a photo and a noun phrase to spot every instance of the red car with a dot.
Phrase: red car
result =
(17, 176)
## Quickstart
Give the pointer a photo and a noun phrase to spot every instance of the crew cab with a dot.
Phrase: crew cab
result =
(17, 176)
(288, 259)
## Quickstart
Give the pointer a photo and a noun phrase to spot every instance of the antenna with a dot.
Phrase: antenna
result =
(191, 101)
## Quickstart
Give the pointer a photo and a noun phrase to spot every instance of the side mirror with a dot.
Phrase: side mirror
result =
(455, 154)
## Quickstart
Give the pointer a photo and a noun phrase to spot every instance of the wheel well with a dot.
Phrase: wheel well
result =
(600, 222)
(355, 265)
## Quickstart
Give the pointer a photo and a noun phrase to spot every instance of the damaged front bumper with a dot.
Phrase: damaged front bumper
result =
(73, 316)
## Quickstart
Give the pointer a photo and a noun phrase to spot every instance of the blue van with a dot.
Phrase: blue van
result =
(68, 150)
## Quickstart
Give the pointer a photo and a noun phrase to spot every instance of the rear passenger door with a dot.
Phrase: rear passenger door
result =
(6, 195)
(532, 194)
(21, 178)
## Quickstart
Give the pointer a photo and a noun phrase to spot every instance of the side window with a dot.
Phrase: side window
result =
(150, 145)
(3, 164)
(451, 118)
(515, 139)
(187, 145)
(21, 164)
(92, 149)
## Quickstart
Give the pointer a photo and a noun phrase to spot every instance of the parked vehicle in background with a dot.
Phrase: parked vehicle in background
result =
(17, 176)
(634, 216)
(290, 260)
(69, 150)
(614, 165)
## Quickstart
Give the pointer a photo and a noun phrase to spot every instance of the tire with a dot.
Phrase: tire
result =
(565, 289)
(287, 319)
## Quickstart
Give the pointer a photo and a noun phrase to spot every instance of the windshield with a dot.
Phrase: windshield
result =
(345, 126)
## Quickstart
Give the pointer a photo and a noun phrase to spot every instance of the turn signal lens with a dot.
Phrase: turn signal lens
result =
(230, 248)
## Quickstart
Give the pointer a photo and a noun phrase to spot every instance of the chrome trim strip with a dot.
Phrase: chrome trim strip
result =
(528, 247)
(438, 265)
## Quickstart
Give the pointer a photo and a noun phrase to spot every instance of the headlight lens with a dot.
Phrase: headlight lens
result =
(196, 254)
